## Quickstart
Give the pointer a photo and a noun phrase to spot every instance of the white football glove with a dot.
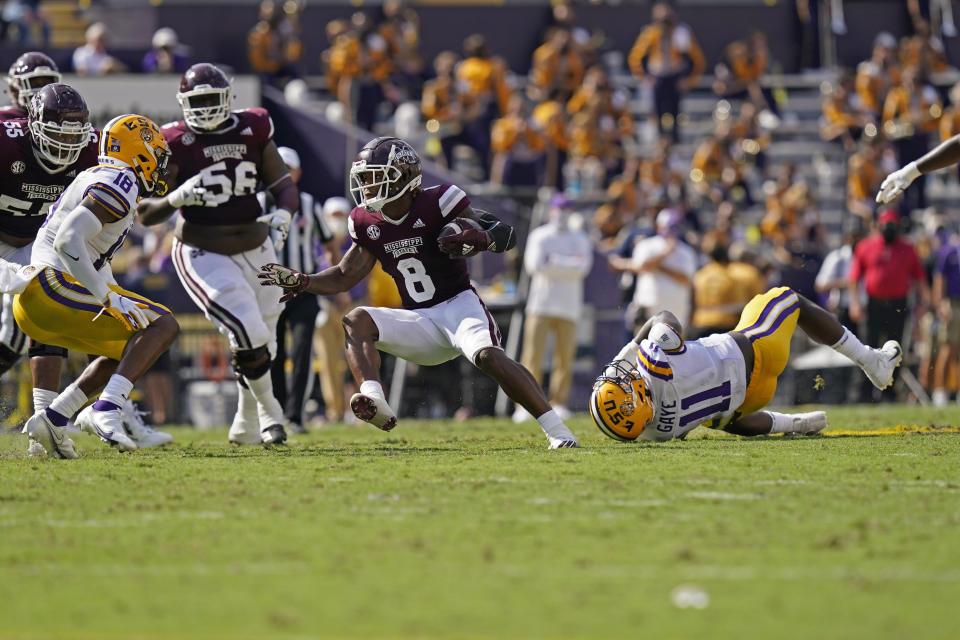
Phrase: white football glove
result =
(133, 315)
(279, 221)
(188, 194)
(895, 183)
(665, 336)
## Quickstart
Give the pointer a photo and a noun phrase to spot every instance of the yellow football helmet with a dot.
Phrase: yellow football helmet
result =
(137, 142)
(621, 404)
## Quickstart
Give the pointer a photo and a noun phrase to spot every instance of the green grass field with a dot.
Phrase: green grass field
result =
(475, 530)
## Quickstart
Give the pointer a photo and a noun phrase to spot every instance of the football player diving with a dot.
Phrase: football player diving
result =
(659, 387)
(397, 222)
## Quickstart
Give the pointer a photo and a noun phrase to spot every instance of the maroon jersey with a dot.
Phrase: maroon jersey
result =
(13, 112)
(229, 159)
(407, 250)
(26, 189)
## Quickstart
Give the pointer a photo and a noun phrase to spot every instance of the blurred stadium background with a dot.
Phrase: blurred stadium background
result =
(786, 126)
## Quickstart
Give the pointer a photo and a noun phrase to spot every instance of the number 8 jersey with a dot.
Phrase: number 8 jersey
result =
(703, 382)
(112, 185)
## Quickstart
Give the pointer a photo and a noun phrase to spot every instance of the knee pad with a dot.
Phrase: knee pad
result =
(37, 349)
(252, 363)
(8, 358)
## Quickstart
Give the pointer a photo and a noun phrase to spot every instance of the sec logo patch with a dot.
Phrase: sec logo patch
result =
(18, 167)
(373, 232)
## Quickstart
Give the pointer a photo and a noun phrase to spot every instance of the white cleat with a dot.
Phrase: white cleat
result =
(374, 410)
(139, 431)
(887, 358)
(245, 428)
(108, 425)
(48, 438)
(810, 422)
(562, 439)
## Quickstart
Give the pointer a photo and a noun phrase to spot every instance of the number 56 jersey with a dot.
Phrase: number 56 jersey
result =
(703, 382)
(112, 185)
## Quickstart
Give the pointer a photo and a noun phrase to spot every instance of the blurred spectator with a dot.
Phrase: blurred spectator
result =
(557, 63)
(739, 75)
(518, 148)
(923, 49)
(400, 29)
(945, 299)
(166, 54)
(844, 118)
(889, 268)
(750, 138)
(832, 279)
(668, 55)
(273, 45)
(92, 59)
(665, 266)
(716, 305)
(911, 112)
(29, 16)
(876, 76)
(440, 104)
(808, 28)
(328, 337)
(864, 174)
(483, 90)
(558, 257)
(550, 118)
(746, 275)
(600, 125)
(950, 121)
(715, 174)
(308, 233)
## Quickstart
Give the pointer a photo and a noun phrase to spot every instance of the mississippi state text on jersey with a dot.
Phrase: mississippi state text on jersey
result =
(229, 160)
(407, 248)
(704, 382)
(27, 189)
(117, 189)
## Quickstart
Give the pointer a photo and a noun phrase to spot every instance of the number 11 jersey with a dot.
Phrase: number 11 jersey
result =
(703, 382)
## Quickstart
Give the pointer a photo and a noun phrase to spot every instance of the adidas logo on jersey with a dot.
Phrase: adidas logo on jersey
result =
(247, 132)
(419, 223)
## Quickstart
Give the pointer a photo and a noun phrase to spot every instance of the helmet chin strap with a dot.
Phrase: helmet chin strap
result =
(45, 163)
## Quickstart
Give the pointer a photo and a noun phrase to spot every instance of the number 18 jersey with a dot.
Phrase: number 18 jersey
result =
(113, 186)
(703, 382)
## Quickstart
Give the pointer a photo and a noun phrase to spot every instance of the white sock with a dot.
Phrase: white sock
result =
(246, 404)
(117, 390)
(553, 426)
(782, 422)
(42, 398)
(373, 389)
(269, 410)
(69, 401)
(850, 346)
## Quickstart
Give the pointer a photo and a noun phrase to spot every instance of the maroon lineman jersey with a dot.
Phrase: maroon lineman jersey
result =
(408, 251)
(13, 112)
(26, 189)
(229, 160)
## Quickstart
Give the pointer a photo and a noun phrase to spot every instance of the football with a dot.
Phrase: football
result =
(456, 226)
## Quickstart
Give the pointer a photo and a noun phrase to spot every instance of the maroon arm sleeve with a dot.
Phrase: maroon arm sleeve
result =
(285, 194)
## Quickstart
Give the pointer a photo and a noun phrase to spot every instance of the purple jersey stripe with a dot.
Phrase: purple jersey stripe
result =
(722, 390)
(656, 363)
(67, 302)
(655, 374)
(698, 415)
(776, 323)
(767, 309)
(107, 199)
(83, 290)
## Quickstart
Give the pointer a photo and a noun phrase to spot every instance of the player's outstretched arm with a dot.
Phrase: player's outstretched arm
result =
(664, 317)
(352, 268)
(944, 155)
(158, 209)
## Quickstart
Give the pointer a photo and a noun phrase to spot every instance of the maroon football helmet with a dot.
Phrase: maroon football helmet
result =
(205, 96)
(385, 169)
(28, 73)
(58, 119)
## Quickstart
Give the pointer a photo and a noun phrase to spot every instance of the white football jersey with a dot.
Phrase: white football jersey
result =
(112, 185)
(702, 382)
